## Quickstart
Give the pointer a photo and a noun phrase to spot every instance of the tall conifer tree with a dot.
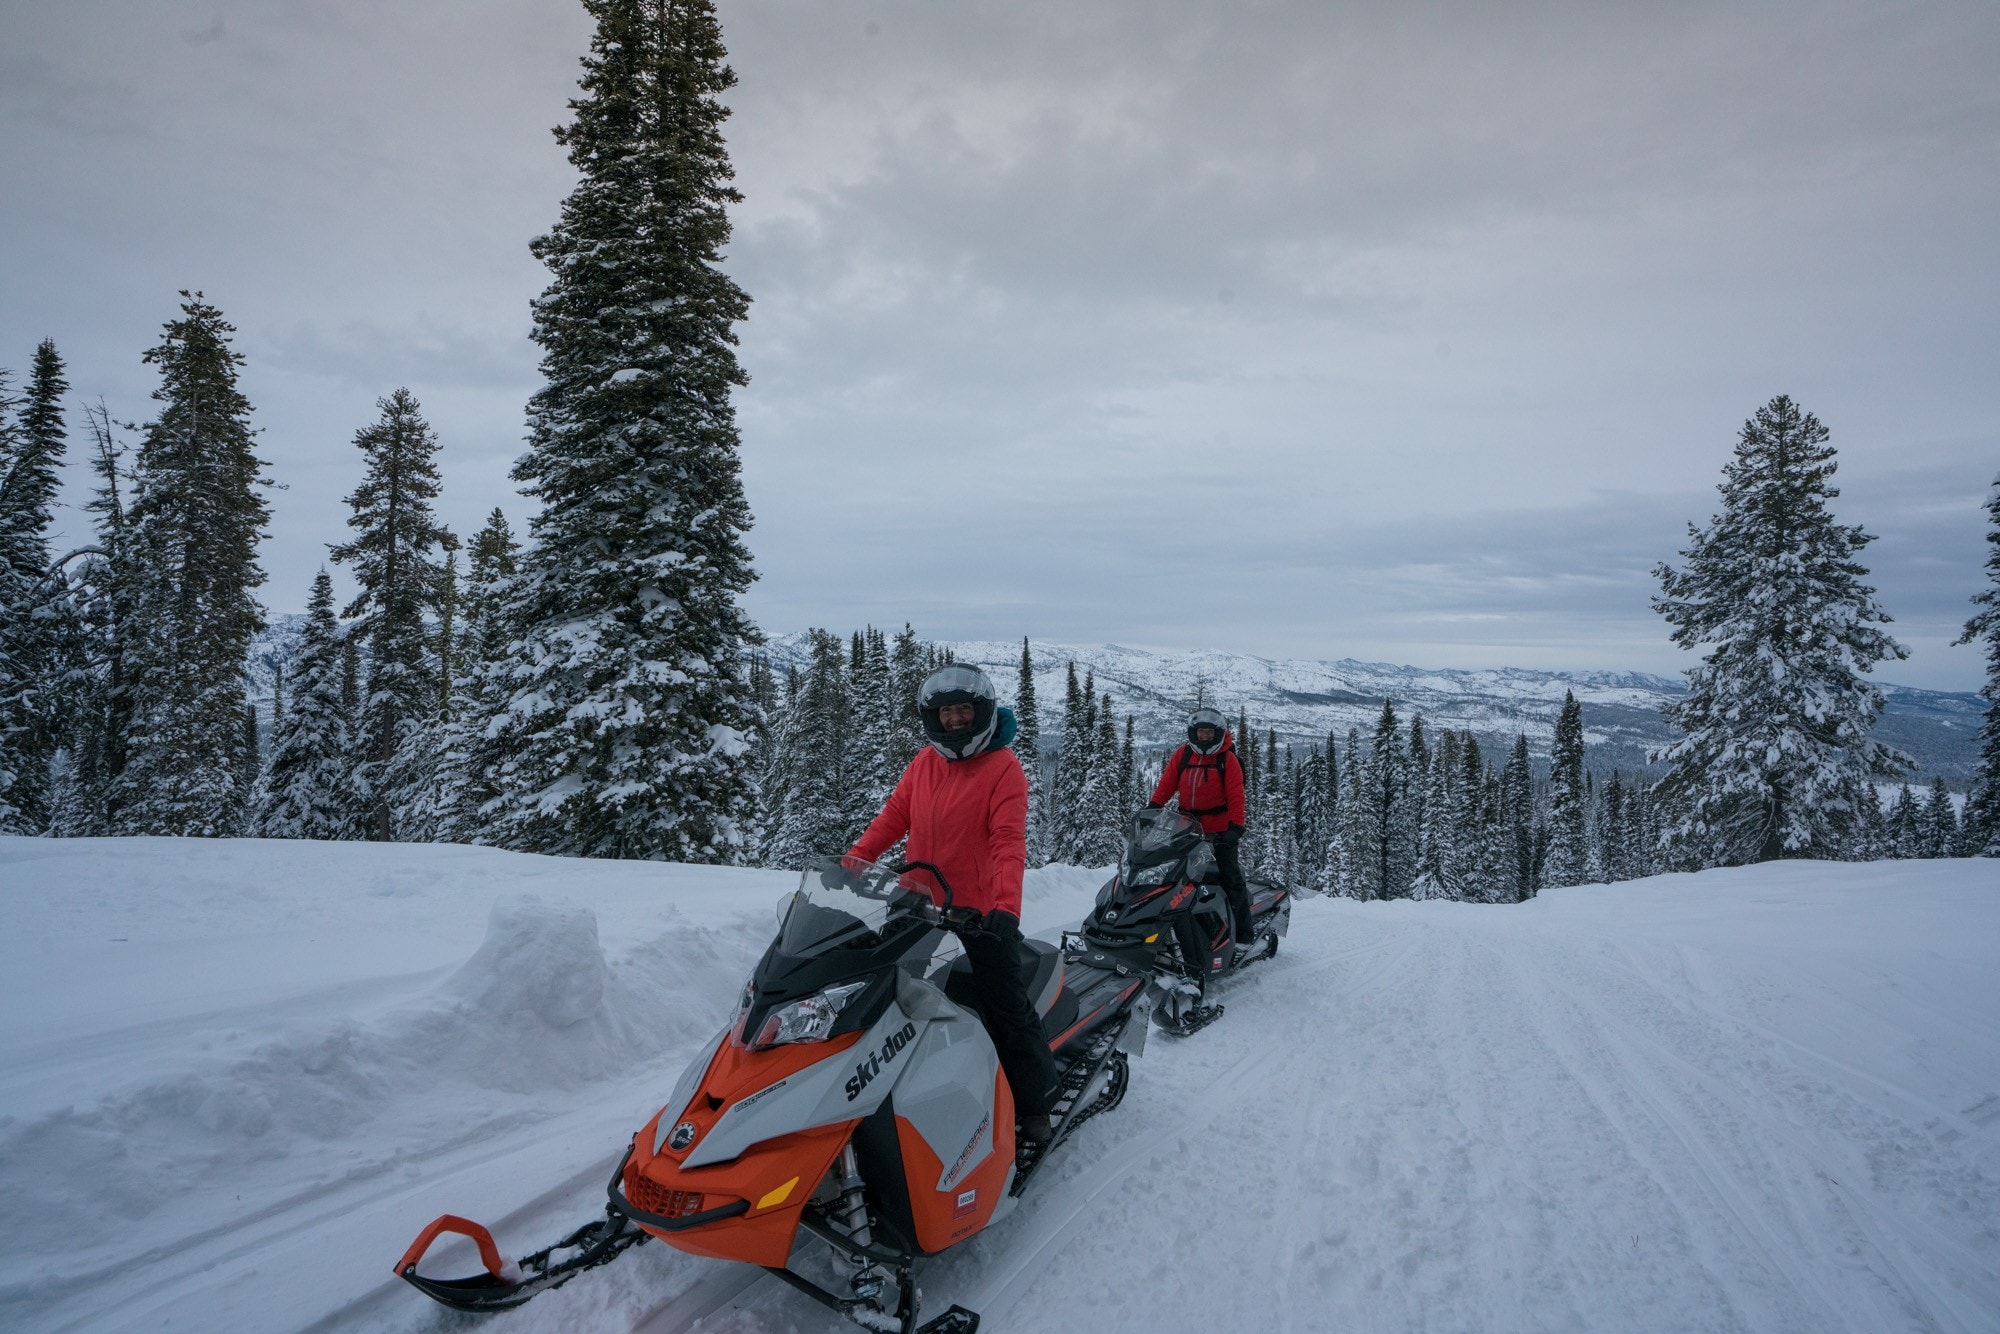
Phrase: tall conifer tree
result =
(1569, 843)
(1777, 715)
(32, 443)
(630, 720)
(307, 790)
(196, 518)
(1982, 806)
(395, 554)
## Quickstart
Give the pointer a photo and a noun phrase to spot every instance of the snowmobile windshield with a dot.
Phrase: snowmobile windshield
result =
(1158, 836)
(845, 905)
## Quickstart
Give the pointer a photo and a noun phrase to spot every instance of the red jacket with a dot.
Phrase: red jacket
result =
(969, 818)
(1210, 786)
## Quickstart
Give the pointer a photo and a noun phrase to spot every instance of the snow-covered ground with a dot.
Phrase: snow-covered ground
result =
(237, 1077)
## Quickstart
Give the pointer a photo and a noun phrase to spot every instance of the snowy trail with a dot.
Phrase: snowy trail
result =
(1765, 1099)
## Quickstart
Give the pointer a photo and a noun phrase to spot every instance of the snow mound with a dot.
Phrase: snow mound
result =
(537, 1007)
(538, 961)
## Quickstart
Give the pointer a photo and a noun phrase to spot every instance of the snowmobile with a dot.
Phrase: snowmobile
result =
(1163, 913)
(852, 1116)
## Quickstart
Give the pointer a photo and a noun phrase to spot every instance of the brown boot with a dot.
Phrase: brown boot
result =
(1035, 1129)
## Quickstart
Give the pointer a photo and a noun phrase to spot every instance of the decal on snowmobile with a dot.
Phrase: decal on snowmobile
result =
(966, 1158)
(878, 1061)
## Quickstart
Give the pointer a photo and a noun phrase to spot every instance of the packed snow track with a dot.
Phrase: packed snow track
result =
(238, 1076)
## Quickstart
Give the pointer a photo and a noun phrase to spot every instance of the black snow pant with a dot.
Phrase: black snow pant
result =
(1009, 1015)
(1234, 888)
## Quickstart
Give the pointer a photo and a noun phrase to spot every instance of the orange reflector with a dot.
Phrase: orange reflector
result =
(778, 1196)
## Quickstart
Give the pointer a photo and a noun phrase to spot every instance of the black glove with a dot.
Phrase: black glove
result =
(1230, 837)
(838, 877)
(1154, 805)
(1003, 924)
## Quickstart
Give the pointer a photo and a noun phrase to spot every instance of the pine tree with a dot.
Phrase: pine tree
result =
(307, 791)
(1464, 865)
(1128, 776)
(395, 557)
(1072, 767)
(1777, 716)
(1906, 837)
(32, 445)
(1569, 851)
(1028, 749)
(1982, 804)
(1394, 841)
(1100, 822)
(1940, 822)
(96, 649)
(815, 816)
(1439, 824)
(628, 727)
(195, 522)
(1520, 835)
(467, 758)
(1360, 861)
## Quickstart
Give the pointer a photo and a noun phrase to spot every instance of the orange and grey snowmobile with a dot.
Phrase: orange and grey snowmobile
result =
(852, 1118)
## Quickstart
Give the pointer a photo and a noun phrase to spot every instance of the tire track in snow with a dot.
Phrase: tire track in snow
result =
(1000, 1292)
(1624, 1092)
(1942, 1308)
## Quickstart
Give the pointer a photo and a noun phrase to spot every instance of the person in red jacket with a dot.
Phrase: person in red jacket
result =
(1207, 777)
(963, 802)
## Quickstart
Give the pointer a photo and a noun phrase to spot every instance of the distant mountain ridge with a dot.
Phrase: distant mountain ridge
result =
(1304, 700)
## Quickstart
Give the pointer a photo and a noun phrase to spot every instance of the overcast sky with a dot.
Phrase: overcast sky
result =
(1397, 331)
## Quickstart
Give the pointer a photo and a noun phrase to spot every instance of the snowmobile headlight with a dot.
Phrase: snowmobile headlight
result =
(1152, 875)
(808, 1020)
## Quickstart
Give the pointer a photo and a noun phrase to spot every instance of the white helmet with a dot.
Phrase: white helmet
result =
(958, 684)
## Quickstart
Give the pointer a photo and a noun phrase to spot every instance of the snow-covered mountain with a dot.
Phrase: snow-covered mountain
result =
(1305, 700)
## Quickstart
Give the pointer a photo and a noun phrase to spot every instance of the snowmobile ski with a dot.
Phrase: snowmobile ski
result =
(593, 1244)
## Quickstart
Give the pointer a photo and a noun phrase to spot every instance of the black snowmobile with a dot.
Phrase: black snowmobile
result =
(1164, 913)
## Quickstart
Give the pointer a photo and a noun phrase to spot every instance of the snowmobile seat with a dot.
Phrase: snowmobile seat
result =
(1041, 968)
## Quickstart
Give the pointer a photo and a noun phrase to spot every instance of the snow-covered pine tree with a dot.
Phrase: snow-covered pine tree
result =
(1872, 841)
(1394, 839)
(1360, 868)
(307, 789)
(1614, 834)
(1520, 829)
(817, 816)
(907, 670)
(1101, 822)
(877, 721)
(466, 756)
(1906, 839)
(1438, 823)
(1982, 803)
(1463, 864)
(1569, 844)
(1939, 828)
(32, 443)
(396, 558)
(196, 518)
(95, 649)
(1072, 765)
(1130, 795)
(629, 719)
(1777, 715)
(1028, 749)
